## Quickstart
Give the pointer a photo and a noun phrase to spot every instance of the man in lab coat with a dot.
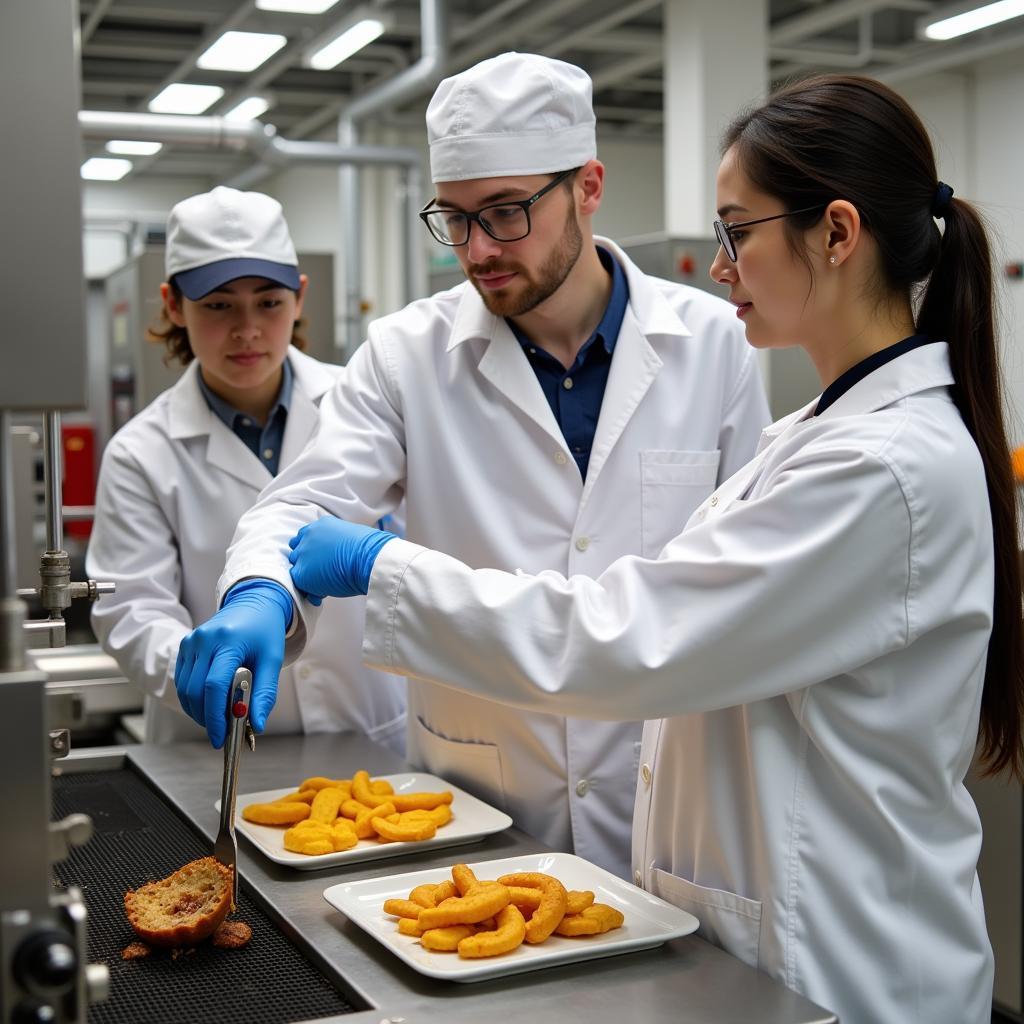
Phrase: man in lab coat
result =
(557, 411)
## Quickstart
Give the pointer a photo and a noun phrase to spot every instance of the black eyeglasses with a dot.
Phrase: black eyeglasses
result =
(723, 231)
(504, 222)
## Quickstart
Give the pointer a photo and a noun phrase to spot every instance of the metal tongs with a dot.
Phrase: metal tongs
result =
(225, 848)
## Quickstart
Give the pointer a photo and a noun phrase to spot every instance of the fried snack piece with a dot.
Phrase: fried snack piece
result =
(421, 801)
(232, 935)
(446, 940)
(425, 895)
(183, 908)
(578, 900)
(414, 831)
(381, 787)
(314, 838)
(527, 900)
(326, 804)
(483, 900)
(402, 908)
(551, 909)
(322, 782)
(407, 926)
(464, 878)
(276, 814)
(509, 933)
(301, 796)
(362, 792)
(593, 920)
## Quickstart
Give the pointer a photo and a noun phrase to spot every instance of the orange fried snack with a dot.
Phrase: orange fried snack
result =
(395, 830)
(326, 803)
(464, 878)
(509, 933)
(402, 908)
(446, 940)
(483, 900)
(593, 920)
(551, 909)
(577, 901)
(276, 813)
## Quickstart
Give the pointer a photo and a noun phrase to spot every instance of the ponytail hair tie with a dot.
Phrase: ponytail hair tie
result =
(941, 200)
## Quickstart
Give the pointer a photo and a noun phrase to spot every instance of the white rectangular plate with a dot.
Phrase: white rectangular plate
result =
(472, 819)
(649, 922)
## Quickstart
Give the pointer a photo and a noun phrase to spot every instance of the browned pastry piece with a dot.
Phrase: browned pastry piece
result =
(232, 935)
(184, 908)
(135, 951)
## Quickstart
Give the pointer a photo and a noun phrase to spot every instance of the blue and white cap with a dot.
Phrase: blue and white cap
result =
(225, 234)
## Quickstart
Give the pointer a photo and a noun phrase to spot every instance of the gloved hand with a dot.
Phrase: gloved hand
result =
(248, 630)
(334, 558)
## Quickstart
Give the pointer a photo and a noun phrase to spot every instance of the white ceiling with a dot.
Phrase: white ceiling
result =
(132, 48)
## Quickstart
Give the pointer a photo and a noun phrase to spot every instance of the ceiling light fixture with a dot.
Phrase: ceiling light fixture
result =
(241, 51)
(950, 22)
(126, 147)
(180, 98)
(296, 6)
(249, 109)
(340, 43)
(102, 168)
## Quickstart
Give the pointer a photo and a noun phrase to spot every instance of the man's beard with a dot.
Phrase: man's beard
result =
(548, 280)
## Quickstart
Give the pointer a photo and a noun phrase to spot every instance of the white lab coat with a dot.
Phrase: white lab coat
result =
(172, 485)
(441, 405)
(810, 653)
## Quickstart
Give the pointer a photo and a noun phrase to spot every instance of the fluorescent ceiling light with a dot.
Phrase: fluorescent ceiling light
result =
(241, 51)
(971, 20)
(185, 99)
(249, 109)
(102, 168)
(343, 46)
(296, 6)
(129, 148)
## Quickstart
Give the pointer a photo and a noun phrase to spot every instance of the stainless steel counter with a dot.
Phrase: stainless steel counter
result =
(685, 980)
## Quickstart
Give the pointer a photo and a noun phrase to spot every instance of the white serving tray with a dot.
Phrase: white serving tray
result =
(472, 819)
(650, 921)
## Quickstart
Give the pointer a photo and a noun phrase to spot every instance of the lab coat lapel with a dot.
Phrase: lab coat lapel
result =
(303, 417)
(190, 416)
(634, 367)
(505, 366)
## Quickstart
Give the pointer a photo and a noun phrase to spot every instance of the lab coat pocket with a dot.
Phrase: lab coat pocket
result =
(731, 922)
(672, 485)
(473, 766)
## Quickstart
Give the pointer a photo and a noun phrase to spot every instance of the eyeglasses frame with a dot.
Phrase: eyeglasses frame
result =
(723, 228)
(471, 218)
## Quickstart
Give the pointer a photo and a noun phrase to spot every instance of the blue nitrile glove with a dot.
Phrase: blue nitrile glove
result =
(248, 630)
(334, 558)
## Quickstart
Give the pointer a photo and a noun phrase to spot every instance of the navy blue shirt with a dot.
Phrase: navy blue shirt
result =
(264, 442)
(860, 370)
(575, 395)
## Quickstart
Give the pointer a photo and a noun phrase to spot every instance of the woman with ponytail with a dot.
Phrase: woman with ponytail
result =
(820, 649)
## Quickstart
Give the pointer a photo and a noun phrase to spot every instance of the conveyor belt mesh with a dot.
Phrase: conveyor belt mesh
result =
(140, 838)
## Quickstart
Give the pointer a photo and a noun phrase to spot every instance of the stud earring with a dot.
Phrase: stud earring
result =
(832, 260)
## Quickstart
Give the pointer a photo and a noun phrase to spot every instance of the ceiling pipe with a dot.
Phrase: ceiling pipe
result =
(830, 16)
(408, 83)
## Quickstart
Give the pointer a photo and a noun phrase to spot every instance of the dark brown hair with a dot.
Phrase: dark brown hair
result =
(847, 137)
(175, 338)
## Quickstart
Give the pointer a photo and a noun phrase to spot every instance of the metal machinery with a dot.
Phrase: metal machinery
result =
(43, 971)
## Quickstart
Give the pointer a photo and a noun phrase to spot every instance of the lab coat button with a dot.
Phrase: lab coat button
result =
(561, 458)
(581, 787)
(268, 453)
(702, 513)
(714, 500)
(582, 543)
(567, 383)
(645, 774)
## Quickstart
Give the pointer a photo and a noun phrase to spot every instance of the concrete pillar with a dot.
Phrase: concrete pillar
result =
(716, 62)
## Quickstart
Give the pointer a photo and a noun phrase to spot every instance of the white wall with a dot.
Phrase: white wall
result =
(973, 116)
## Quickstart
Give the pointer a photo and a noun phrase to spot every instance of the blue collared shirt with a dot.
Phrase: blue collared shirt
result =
(264, 442)
(575, 395)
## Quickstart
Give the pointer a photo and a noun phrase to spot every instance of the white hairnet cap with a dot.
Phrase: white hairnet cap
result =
(518, 113)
